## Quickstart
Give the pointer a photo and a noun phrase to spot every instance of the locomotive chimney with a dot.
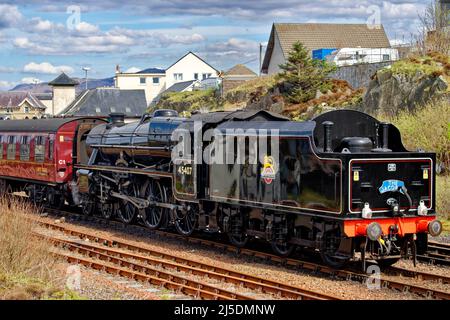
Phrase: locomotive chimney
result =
(385, 127)
(327, 125)
(117, 119)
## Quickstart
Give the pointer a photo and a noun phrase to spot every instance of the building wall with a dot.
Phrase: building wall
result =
(277, 57)
(131, 81)
(188, 66)
(48, 104)
(62, 97)
(359, 75)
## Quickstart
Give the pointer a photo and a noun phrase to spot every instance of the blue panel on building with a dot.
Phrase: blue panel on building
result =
(321, 54)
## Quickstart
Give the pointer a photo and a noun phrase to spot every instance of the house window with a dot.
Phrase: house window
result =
(39, 149)
(1, 147)
(178, 76)
(386, 57)
(25, 148)
(27, 109)
(206, 76)
(196, 76)
(11, 149)
(142, 81)
(156, 81)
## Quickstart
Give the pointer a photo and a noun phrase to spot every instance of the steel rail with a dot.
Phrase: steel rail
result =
(305, 265)
(226, 275)
(420, 275)
(199, 291)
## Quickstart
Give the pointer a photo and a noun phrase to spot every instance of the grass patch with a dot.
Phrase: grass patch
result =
(27, 268)
(266, 82)
(443, 200)
(427, 128)
(433, 64)
(188, 101)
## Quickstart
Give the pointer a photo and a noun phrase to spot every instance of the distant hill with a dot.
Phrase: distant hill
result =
(44, 87)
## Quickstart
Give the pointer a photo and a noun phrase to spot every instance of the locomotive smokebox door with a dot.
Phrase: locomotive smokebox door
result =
(185, 179)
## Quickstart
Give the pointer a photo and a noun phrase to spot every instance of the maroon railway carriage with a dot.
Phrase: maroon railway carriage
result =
(37, 156)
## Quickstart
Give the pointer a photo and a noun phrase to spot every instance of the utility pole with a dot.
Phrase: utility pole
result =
(86, 69)
(260, 58)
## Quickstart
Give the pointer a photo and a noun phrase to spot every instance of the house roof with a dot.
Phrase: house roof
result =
(13, 99)
(190, 52)
(153, 70)
(239, 70)
(43, 95)
(317, 36)
(104, 101)
(63, 80)
(180, 86)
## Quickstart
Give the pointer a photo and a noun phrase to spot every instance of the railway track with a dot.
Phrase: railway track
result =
(289, 262)
(419, 275)
(438, 253)
(151, 267)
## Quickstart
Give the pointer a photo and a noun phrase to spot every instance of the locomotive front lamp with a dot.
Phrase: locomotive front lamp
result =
(422, 210)
(374, 231)
(435, 228)
(366, 211)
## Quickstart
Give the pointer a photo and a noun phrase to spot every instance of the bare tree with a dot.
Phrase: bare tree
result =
(434, 33)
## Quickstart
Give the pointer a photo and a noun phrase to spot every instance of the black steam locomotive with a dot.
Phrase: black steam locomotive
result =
(342, 184)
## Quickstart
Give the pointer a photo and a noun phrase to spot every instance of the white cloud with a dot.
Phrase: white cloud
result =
(41, 25)
(30, 80)
(6, 85)
(10, 16)
(7, 69)
(22, 43)
(133, 70)
(164, 39)
(46, 68)
(86, 28)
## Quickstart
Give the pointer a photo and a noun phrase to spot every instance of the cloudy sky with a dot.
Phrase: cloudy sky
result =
(39, 39)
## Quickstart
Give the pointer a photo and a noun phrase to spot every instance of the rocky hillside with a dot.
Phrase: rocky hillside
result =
(407, 84)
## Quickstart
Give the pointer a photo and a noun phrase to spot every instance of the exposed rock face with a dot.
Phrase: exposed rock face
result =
(390, 93)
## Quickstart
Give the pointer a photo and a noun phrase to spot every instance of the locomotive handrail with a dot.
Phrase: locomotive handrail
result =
(115, 146)
(98, 135)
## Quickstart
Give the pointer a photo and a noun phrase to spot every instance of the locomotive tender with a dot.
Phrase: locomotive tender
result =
(342, 184)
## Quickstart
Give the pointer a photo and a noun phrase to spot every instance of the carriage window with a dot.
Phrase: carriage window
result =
(39, 149)
(11, 150)
(25, 148)
(51, 144)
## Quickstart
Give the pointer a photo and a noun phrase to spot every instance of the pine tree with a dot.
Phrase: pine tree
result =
(302, 75)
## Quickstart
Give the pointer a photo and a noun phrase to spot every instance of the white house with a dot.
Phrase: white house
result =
(151, 80)
(155, 81)
(189, 67)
